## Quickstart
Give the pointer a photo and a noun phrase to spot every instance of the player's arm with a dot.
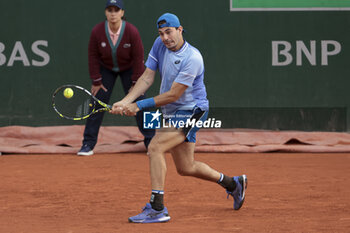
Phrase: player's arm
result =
(142, 85)
(175, 92)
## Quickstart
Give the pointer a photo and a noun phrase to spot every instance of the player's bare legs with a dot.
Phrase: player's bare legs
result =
(183, 156)
(162, 142)
(172, 140)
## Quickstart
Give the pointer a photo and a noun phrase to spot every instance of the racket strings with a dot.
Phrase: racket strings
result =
(79, 105)
(84, 109)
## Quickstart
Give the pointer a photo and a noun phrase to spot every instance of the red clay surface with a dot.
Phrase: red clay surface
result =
(70, 194)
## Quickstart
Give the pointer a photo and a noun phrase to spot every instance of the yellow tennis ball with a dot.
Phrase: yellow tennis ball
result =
(68, 93)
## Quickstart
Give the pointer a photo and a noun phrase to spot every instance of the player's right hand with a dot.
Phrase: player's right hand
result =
(118, 108)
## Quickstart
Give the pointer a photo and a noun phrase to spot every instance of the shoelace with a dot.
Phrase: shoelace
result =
(228, 194)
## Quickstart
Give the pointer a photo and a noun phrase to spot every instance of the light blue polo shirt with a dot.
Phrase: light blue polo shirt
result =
(184, 66)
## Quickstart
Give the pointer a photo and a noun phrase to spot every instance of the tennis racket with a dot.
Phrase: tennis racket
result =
(76, 103)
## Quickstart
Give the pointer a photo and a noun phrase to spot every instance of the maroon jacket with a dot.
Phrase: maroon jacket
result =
(126, 54)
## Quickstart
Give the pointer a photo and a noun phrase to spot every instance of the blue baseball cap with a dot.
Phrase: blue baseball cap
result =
(169, 20)
(117, 3)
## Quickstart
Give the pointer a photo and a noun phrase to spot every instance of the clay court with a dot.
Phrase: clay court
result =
(64, 193)
(276, 74)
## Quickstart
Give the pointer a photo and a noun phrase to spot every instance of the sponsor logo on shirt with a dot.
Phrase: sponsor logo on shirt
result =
(126, 46)
(103, 44)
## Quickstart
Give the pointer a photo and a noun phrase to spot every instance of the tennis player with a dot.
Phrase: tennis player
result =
(182, 96)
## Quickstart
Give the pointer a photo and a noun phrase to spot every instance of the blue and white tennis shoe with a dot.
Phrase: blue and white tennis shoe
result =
(239, 193)
(150, 215)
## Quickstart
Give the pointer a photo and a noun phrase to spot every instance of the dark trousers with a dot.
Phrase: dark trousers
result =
(94, 122)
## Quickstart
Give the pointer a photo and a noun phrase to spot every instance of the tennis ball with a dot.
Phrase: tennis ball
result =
(68, 93)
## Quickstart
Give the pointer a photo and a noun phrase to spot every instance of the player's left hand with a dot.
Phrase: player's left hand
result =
(130, 109)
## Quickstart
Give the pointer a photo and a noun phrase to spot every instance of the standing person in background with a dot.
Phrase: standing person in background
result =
(182, 97)
(115, 49)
